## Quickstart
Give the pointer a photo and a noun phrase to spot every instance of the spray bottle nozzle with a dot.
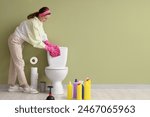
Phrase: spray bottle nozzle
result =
(76, 80)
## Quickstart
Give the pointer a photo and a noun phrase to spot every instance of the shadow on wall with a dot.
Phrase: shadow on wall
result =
(28, 52)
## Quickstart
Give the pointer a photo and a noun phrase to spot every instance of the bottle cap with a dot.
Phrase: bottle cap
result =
(76, 80)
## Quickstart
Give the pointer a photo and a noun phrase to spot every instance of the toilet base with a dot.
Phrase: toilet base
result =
(57, 88)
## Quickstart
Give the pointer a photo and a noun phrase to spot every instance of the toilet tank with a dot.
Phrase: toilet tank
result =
(59, 61)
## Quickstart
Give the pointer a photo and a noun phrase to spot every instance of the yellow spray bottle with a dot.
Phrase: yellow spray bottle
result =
(69, 91)
(79, 91)
(89, 82)
(87, 89)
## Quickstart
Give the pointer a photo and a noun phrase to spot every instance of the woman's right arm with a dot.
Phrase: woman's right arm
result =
(35, 38)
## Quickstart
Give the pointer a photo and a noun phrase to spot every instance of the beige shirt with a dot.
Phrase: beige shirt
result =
(32, 32)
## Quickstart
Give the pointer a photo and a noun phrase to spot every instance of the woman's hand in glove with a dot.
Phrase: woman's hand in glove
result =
(54, 51)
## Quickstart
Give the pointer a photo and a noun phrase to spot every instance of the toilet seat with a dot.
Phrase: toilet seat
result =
(58, 68)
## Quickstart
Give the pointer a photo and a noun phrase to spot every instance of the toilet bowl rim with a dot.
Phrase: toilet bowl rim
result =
(58, 68)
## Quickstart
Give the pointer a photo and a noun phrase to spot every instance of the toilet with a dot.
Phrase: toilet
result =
(57, 70)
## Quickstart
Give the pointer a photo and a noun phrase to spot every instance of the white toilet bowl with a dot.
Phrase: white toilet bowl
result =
(56, 76)
(57, 70)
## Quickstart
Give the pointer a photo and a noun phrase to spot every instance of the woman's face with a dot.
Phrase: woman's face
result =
(44, 18)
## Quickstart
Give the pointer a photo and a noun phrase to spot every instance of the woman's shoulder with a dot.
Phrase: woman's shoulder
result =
(31, 21)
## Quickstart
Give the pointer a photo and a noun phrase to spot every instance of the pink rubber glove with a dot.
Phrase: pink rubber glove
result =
(54, 51)
(48, 43)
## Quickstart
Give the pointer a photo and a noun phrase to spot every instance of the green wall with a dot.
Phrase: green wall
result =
(108, 40)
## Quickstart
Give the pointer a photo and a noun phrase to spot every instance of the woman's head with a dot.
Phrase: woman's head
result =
(42, 14)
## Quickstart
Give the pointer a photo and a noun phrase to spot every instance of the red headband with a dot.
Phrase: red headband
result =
(47, 12)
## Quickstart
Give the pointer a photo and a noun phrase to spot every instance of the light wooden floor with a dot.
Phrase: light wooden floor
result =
(102, 92)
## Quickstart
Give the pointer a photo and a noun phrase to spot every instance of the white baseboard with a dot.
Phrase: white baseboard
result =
(4, 87)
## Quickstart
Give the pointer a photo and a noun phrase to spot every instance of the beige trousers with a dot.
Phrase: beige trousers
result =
(16, 68)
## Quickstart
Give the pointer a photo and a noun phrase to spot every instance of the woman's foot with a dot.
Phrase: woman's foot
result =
(15, 88)
(30, 90)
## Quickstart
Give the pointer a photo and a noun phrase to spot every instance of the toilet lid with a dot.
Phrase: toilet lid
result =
(49, 67)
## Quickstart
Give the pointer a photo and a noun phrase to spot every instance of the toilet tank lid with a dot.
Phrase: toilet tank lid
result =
(49, 67)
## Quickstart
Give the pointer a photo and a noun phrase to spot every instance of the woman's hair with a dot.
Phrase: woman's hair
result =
(36, 14)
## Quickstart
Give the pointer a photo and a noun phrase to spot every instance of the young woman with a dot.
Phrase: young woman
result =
(31, 31)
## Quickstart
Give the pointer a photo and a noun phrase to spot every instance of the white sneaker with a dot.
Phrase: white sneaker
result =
(30, 90)
(14, 88)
